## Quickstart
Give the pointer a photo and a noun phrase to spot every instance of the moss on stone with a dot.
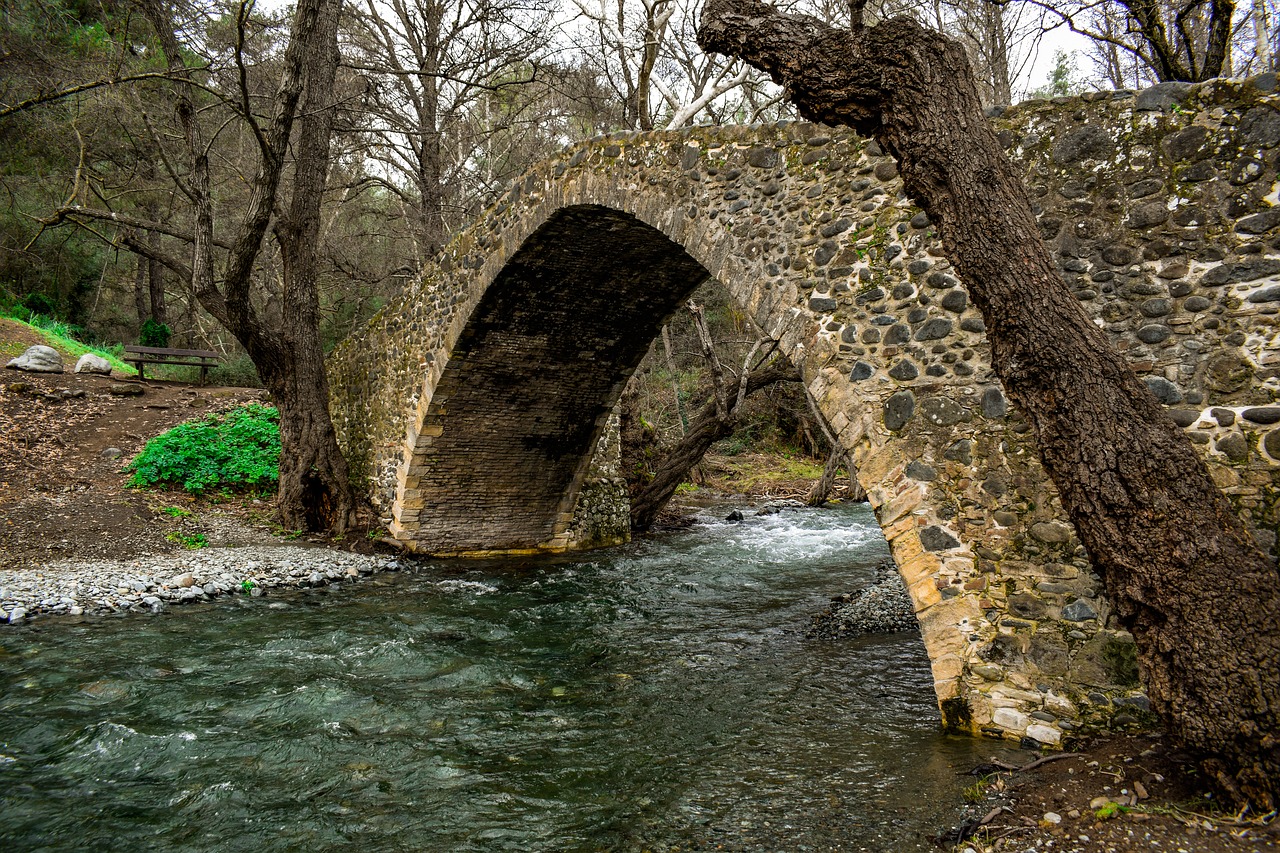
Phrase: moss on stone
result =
(956, 716)
(1121, 658)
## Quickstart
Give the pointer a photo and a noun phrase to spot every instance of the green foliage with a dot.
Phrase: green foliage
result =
(190, 541)
(737, 444)
(68, 332)
(37, 303)
(153, 334)
(175, 511)
(238, 450)
(247, 586)
(1110, 810)
(1061, 78)
(237, 371)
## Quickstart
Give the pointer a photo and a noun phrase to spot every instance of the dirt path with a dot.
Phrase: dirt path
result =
(1118, 794)
(62, 490)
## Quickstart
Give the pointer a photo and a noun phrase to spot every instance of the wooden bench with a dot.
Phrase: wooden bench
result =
(139, 357)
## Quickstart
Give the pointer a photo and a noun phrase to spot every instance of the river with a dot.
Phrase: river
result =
(659, 696)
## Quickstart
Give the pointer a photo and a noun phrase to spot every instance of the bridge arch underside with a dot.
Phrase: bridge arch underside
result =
(509, 433)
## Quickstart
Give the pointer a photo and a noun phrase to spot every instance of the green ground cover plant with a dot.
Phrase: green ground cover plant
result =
(238, 450)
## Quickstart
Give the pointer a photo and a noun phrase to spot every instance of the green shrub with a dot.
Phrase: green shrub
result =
(153, 334)
(37, 303)
(58, 328)
(190, 541)
(240, 450)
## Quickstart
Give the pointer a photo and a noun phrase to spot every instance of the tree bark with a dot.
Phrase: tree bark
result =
(155, 284)
(314, 493)
(140, 303)
(821, 491)
(1182, 572)
(675, 377)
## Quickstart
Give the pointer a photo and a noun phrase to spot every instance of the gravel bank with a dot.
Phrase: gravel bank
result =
(148, 584)
(883, 607)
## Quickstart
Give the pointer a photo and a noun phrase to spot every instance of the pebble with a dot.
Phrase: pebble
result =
(884, 607)
(148, 584)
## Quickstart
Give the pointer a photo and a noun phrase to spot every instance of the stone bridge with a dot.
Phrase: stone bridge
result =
(478, 405)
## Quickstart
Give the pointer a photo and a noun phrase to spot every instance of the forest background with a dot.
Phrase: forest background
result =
(437, 105)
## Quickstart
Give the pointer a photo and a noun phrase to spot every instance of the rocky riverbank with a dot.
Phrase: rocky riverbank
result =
(150, 584)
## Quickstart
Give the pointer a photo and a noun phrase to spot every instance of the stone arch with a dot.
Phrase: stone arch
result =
(504, 446)
(1169, 244)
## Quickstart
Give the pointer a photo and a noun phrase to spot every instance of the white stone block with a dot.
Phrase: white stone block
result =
(1045, 734)
(1010, 720)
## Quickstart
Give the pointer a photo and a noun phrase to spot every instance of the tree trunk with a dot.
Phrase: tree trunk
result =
(140, 303)
(713, 423)
(155, 284)
(1183, 573)
(821, 491)
(856, 493)
(675, 377)
(315, 492)
(1178, 56)
(1263, 54)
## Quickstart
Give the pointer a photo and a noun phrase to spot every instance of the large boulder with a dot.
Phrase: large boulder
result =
(90, 363)
(38, 359)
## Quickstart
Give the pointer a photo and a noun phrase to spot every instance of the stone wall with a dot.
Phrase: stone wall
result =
(1161, 209)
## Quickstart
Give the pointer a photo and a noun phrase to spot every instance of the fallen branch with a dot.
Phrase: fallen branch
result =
(1045, 759)
(997, 764)
(968, 829)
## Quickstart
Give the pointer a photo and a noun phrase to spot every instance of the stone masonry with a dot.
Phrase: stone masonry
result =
(477, 406)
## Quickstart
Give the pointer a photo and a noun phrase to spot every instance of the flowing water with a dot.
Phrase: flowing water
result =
(652, 697)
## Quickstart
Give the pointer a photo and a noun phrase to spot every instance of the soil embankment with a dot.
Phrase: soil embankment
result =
(64, 438)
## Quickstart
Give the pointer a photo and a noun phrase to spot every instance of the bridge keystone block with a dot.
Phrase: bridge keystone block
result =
(534, 318)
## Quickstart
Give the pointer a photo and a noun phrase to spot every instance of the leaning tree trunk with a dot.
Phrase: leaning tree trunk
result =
(820, 493)
(713, 423)
(1181, 570)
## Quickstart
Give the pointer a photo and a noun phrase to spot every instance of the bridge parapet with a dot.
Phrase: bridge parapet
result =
(1161, 208)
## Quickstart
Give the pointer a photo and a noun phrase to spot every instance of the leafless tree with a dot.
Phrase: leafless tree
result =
(1257, 39)
(1188, 40)
(645, 52)
(431, 66)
